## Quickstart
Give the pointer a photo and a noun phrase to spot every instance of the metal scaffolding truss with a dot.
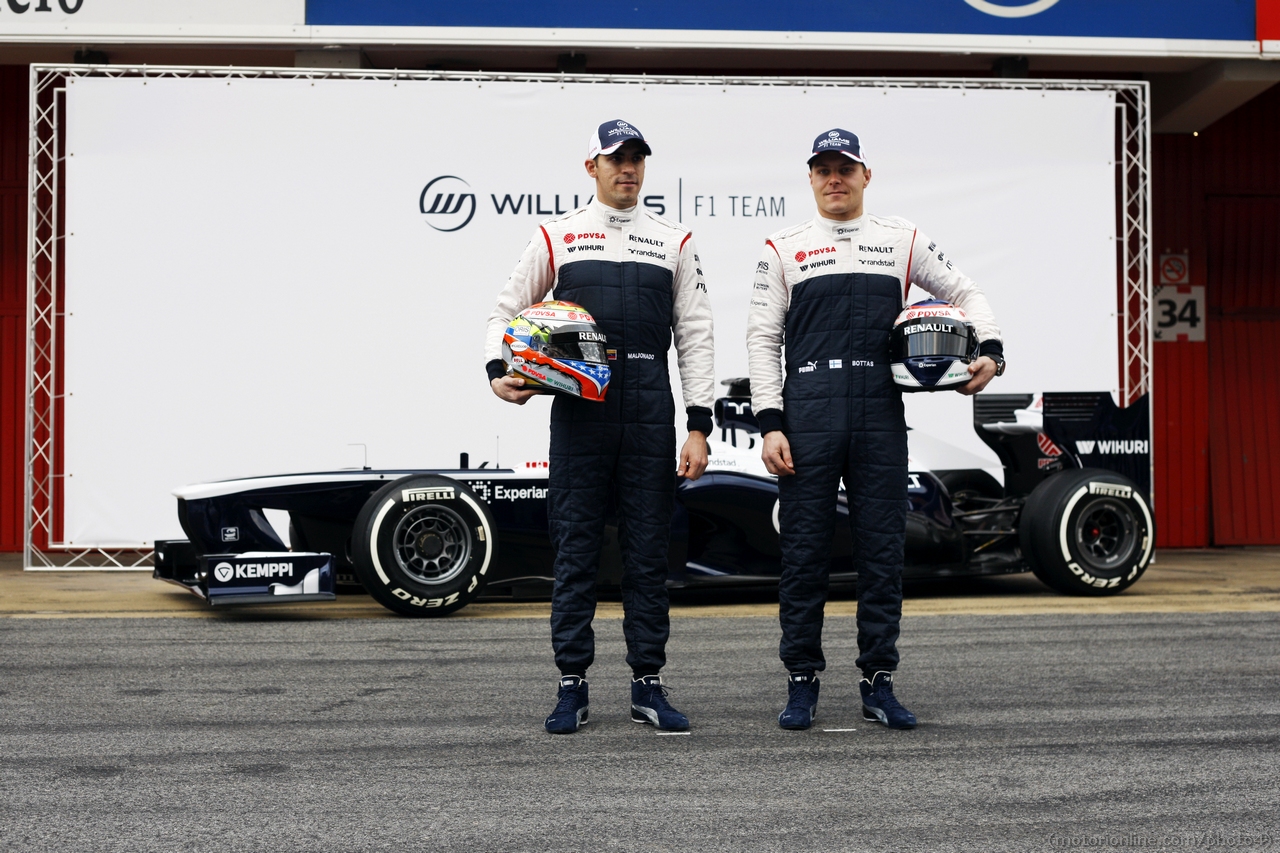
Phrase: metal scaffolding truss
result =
(1133, 179)
(43, 492)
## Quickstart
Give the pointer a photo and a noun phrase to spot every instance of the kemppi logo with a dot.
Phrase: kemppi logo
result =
(445, 204)
(225, 572)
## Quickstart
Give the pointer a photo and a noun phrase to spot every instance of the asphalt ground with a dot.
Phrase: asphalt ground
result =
(285, 730)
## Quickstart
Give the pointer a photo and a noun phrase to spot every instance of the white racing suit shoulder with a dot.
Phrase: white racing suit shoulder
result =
(793, 231)
(891, 223)
(659, 223)
(564, 221)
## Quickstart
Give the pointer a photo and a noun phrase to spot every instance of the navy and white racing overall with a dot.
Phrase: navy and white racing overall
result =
(638, 275)
(830, 291)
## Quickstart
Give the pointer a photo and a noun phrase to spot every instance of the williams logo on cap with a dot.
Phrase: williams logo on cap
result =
(838, 139)
(611, 135)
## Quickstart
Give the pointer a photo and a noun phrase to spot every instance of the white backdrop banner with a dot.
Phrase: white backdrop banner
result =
(256, 282)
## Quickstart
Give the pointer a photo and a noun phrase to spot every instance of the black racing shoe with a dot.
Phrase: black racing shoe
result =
(880, 705)
(802, 700)
(571, 709)
(649, 705)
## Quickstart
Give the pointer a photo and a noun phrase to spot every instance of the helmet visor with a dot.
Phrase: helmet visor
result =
(577, 344)
(942, 340)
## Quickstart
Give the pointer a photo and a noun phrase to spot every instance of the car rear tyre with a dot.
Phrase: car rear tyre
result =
(1087, 532)
(422, 545)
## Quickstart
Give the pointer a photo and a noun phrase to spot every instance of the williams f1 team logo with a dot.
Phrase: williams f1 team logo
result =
(1021, 10)
(446, 204)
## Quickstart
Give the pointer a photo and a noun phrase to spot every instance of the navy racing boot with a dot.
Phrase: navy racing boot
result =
(649, 705)
(802, 700)
(880, 705)
(571, 709)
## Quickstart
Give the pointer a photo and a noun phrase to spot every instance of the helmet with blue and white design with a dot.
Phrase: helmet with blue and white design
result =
(931, 346)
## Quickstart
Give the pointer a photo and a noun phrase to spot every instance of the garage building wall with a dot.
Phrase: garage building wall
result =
(13, 300)
(1217, 196)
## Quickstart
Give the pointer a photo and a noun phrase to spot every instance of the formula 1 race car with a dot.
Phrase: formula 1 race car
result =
(1073, 508)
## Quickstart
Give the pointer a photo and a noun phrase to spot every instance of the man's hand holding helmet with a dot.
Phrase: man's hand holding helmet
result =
(983, 370)
(511, 389)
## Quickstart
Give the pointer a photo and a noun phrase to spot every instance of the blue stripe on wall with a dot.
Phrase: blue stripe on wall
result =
(1174, 19)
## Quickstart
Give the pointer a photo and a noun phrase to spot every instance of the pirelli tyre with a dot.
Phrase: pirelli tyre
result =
(422, 545)
(1087, 532)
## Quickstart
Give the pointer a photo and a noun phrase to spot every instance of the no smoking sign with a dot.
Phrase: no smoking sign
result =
(1175, 269)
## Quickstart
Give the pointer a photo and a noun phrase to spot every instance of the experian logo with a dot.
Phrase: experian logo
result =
(450, 208)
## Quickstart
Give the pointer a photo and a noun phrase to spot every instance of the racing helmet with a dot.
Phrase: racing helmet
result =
(932, 345)
(557, 348)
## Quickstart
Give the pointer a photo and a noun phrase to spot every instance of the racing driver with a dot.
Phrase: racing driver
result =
(638, 275)
(831, 288)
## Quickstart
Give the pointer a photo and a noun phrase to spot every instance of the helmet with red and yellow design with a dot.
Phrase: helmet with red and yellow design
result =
(557, 348)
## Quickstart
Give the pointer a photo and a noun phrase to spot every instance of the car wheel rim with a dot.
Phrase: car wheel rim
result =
(432, 544)
(1106, 536)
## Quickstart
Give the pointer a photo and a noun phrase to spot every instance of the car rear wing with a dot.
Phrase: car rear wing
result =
(733, 412)
(1036, 436)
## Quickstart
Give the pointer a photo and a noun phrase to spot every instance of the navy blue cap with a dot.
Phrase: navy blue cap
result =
(609, 136)
(838, 139)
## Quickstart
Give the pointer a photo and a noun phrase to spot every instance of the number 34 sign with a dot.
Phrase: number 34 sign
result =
(1178, 306)
(1179, 313)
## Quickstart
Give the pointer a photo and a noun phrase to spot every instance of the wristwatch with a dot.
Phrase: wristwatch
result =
(999, 360)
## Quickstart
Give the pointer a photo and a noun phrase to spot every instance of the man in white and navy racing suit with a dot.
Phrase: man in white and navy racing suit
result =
(830, 289)
(638, 275)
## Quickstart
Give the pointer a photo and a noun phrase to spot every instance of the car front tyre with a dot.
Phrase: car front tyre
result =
(423, 545)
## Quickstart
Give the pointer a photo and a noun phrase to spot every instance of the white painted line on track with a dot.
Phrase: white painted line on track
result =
(839, 730)
(673, 733)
